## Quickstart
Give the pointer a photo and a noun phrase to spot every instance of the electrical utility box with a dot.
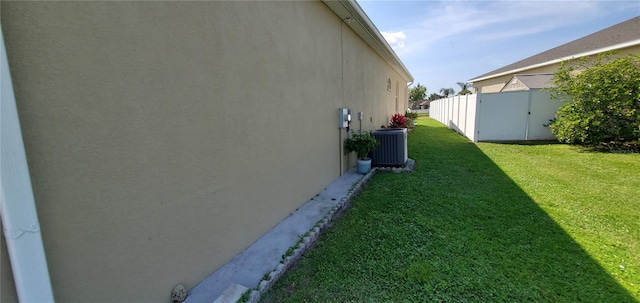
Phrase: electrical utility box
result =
(344, 117)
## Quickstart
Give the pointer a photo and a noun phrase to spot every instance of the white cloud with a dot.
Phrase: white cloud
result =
(395, 39)
(444, 42)
(456, 21)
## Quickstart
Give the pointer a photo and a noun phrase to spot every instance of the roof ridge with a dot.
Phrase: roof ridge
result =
(616, 34)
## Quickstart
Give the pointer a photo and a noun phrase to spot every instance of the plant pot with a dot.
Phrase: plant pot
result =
(364, 166)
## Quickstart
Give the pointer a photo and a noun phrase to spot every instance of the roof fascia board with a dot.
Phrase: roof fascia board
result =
(18, 212)
(372, 37)
(576, 56)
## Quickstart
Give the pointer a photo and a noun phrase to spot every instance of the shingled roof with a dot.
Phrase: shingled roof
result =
(627, 32)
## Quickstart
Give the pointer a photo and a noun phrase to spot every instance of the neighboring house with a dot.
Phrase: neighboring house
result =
(528, 82)
(623, 38)
(164, 137)
(424, 104)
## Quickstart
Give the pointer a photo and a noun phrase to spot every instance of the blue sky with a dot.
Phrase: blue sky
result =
(444, 42)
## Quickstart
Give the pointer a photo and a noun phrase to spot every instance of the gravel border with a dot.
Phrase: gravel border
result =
(312, 235)
(309, 240)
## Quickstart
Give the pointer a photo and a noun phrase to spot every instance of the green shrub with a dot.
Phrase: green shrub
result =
(602, 100)
(411, 115)
(362, 143)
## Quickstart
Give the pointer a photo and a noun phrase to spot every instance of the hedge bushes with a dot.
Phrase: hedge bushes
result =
(602, 100)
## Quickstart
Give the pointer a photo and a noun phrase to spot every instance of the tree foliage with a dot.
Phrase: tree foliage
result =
(602, 98)
(464, 88)
(446, 92)
(417, 93)
(434, 97)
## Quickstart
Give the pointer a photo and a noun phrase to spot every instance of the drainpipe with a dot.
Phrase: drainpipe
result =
(17, 205)
(408, 90)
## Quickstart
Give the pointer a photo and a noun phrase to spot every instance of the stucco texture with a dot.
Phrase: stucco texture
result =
(7, 288)
(165, 137)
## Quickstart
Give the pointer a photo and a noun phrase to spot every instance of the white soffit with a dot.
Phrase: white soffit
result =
(368, 32)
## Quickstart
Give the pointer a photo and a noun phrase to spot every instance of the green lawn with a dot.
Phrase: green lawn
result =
(482, 223)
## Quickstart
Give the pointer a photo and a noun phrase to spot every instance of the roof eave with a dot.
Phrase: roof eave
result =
(367, 31)
(589, 53)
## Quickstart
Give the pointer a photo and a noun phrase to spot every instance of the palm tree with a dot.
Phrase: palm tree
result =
(434, 97)
(446, 92)
(417, 94)
(464, 88)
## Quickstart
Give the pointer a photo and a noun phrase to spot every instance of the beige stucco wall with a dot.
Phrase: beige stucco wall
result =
(494, 85)
(365, 87)
(165, 137)
(514, 86)
(7, 288)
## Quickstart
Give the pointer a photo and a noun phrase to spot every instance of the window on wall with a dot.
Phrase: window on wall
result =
(397, 95)
(388, 84)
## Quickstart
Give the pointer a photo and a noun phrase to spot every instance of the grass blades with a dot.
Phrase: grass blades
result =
(482, 223)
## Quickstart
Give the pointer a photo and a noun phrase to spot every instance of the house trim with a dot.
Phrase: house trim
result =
(353, 15)
(17, 204)
(579, 55)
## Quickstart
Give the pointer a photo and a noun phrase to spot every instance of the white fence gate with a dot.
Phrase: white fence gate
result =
(506, 116)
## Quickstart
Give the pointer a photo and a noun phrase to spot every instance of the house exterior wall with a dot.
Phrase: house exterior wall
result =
(7, 288)
(494, 85)
(149, 163)
(365, 89)
(514, 85)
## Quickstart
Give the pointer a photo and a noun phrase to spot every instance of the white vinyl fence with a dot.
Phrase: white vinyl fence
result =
(506, 116)
(457, 113)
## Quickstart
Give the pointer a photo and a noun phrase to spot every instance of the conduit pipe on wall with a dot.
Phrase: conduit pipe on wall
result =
(17, 205)
(409, 90)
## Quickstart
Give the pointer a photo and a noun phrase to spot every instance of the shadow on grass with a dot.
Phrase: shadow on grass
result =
(632, 147)
(611, 148)
(457, 229)
(537, 142)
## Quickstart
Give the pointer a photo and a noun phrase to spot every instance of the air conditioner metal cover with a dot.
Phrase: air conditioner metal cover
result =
(393, 147)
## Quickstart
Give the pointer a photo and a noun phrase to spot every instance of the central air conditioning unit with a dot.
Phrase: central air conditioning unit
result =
(393, 147)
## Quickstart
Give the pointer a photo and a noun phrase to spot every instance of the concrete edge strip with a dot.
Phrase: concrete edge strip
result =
(311, 237)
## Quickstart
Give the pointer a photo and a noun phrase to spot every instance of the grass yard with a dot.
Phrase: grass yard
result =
(482, 223)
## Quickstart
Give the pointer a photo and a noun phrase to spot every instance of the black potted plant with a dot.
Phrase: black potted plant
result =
(362, 143)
